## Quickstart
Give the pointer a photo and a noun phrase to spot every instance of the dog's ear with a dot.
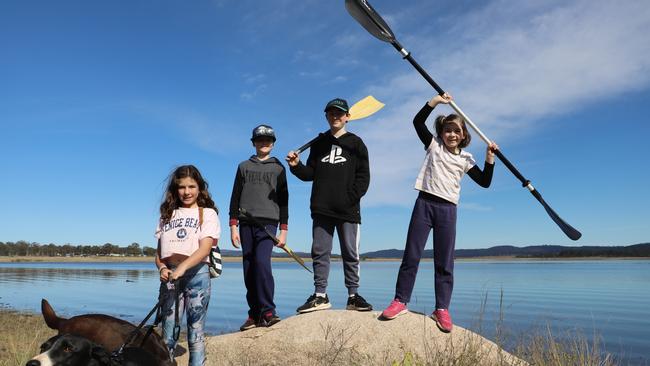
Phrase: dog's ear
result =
(48, 344)
(101, 356)
(50, 317)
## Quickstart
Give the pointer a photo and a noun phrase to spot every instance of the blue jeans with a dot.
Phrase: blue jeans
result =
(193, 300)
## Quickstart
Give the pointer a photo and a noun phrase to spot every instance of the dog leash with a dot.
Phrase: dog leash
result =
(136, 331)
(161, 299)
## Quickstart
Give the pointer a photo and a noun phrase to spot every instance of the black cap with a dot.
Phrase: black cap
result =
(263, 131)
(338, 103)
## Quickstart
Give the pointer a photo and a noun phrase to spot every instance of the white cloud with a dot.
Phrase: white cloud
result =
(253, 78)
(250, 95)
(310, 74)
(346, 41)
(338, 79)
(507, 62)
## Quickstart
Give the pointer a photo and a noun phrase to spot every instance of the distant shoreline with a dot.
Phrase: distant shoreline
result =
(104, 259)
(513, 258)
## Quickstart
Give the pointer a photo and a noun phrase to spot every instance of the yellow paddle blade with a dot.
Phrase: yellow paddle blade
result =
(365, 107)
(296, 257)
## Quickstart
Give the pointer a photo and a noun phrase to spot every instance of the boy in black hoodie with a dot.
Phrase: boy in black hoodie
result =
(338, 166)
(261, 189)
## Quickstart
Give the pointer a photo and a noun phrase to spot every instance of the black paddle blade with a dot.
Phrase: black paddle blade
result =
(363, 12)
(572, 233)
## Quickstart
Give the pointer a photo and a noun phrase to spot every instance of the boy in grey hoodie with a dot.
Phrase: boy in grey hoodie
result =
(261, 189)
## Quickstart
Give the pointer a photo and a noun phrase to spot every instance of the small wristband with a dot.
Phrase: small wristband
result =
(161, 269)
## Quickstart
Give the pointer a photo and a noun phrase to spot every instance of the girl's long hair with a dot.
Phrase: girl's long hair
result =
(171, 200)
(441, 121)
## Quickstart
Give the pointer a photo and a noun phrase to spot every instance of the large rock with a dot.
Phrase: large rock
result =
(340, 337)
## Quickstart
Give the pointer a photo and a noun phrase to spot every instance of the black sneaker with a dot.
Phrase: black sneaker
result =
(268, 319)
(315, 303)
(358, 303)
(250, 323)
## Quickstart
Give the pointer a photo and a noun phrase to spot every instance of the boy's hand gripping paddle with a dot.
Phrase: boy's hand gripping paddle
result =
(366, 107)
(275, 240)
(364, 13)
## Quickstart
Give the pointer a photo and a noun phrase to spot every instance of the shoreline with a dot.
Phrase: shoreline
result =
(105, 259)
(102, 259)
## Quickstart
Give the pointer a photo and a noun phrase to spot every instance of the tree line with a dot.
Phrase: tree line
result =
(23, 248)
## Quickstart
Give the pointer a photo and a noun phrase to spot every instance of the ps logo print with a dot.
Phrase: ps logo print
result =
(335, 156)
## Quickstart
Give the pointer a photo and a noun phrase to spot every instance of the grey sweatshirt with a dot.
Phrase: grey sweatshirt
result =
(261, 189)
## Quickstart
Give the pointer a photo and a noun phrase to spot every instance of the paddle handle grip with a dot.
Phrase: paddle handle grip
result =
(307, 145)
(524, 182)
(311, 142)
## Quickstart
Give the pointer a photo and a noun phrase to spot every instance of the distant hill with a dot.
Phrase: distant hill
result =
(33, 249)
(386, 253)
(535, 251)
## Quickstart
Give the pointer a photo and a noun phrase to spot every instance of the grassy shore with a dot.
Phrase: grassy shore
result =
(21, 336)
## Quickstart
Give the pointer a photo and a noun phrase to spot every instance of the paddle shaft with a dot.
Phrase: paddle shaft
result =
(455, 107)
(308, 144)
(274, 238)
(571, 232)
(368, 18)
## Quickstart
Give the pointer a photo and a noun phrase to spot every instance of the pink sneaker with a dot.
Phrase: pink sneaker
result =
(443, 320)
(395, 309)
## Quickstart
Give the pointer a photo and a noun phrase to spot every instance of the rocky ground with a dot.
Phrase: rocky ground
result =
(340, 337)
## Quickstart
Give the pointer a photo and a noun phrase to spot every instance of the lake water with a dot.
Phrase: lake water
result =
(609, 298)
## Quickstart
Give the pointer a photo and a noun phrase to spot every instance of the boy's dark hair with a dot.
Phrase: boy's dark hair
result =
(171, 200)
(441, 121)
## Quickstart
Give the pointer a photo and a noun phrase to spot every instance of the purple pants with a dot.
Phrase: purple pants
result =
(430, 212)
(257, 247)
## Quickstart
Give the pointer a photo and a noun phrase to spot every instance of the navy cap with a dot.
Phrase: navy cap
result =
(339, 103)
(263, 131)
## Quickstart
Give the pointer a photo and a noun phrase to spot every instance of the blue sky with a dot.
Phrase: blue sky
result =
(99, 101)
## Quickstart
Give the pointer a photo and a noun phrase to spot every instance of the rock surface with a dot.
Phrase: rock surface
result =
(340, 337)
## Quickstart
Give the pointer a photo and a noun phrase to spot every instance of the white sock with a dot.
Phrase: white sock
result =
(321, 294)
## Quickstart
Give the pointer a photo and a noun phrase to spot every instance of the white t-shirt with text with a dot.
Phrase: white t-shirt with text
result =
(181, 235)
(442, 171)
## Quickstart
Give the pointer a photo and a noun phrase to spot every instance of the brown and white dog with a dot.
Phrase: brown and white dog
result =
(72, 350)
(106, 331)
